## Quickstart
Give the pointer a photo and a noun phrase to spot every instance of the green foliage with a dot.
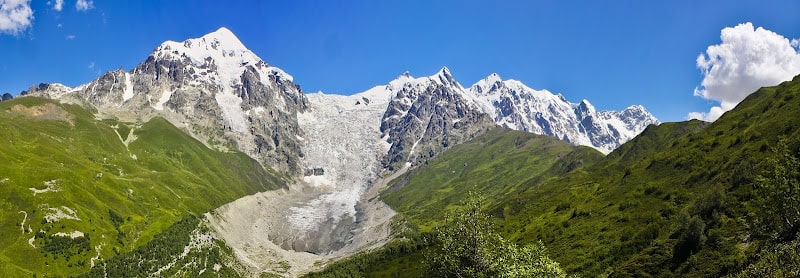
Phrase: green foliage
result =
(778, 191)
(387, 261)
(468, 246)
(57, 245)
(782, 260)
(61, 163)
(496, 165)
(465, 244)
(163, 255)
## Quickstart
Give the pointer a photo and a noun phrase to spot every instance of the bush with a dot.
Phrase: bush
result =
(468, 246)
(778, 195)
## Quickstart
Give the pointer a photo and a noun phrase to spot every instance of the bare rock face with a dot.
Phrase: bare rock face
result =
(214, 88)
(428, 115)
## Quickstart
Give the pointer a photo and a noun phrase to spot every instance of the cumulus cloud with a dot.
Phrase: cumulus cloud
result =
(58, 5)
(70, 37)
(15, 16)
(748, 58)
(84, 5)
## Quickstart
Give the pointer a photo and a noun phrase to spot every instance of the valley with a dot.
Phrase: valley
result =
(204, 160)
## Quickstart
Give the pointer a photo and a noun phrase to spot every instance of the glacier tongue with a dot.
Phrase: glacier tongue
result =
(342, 147)
(332, 211)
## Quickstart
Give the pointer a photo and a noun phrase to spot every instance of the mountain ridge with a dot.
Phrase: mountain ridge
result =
(221, 93)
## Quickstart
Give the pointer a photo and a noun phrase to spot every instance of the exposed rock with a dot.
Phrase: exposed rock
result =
(428, 115)
(214, 88)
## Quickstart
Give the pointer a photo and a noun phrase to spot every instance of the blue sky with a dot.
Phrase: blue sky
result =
(613, 53)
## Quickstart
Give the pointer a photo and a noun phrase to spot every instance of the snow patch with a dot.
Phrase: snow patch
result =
(50, 186)
(163, 99)
(232, 112)
(128, 94)
(24, 218)
(73, 234)
(96, 257)
(60, 213)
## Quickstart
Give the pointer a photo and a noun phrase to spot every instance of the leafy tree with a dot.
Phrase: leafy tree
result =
(468, 246)
(778, 189)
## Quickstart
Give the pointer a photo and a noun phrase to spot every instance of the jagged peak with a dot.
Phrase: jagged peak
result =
(444, 71)
(223, 47)
(486, 84)
(400, 81)
(562, 98)
(586, 106)
(219, 44)
(494, 77)
(444, 77)
(225, 37)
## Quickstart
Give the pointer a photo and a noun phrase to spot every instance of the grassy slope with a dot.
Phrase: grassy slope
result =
(172, 176)
(629, 214)
(497, 165)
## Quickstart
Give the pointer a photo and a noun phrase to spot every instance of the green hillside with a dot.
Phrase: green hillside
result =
(677, 201)
(683, 210)
(72, 190)
(497, 165)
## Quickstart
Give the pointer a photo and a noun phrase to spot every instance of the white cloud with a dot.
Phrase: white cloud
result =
(748, 58)
(70, 37)
(58, 5)
(84, 5)
(91, 66)
(15, 16)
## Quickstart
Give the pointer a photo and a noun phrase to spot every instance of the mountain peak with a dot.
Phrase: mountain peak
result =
(444, 71)
(400, 81)
(586, 106)
(444, 77)
(224, 38)
(486, 84)
(219, 45)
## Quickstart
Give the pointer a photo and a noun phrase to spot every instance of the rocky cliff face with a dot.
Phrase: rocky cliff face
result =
(214, 88)
(428, 115)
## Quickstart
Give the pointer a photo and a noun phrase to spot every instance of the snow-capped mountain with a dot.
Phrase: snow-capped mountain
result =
(514, 105)
(427, 115)
(223, 94)
(213, 87)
